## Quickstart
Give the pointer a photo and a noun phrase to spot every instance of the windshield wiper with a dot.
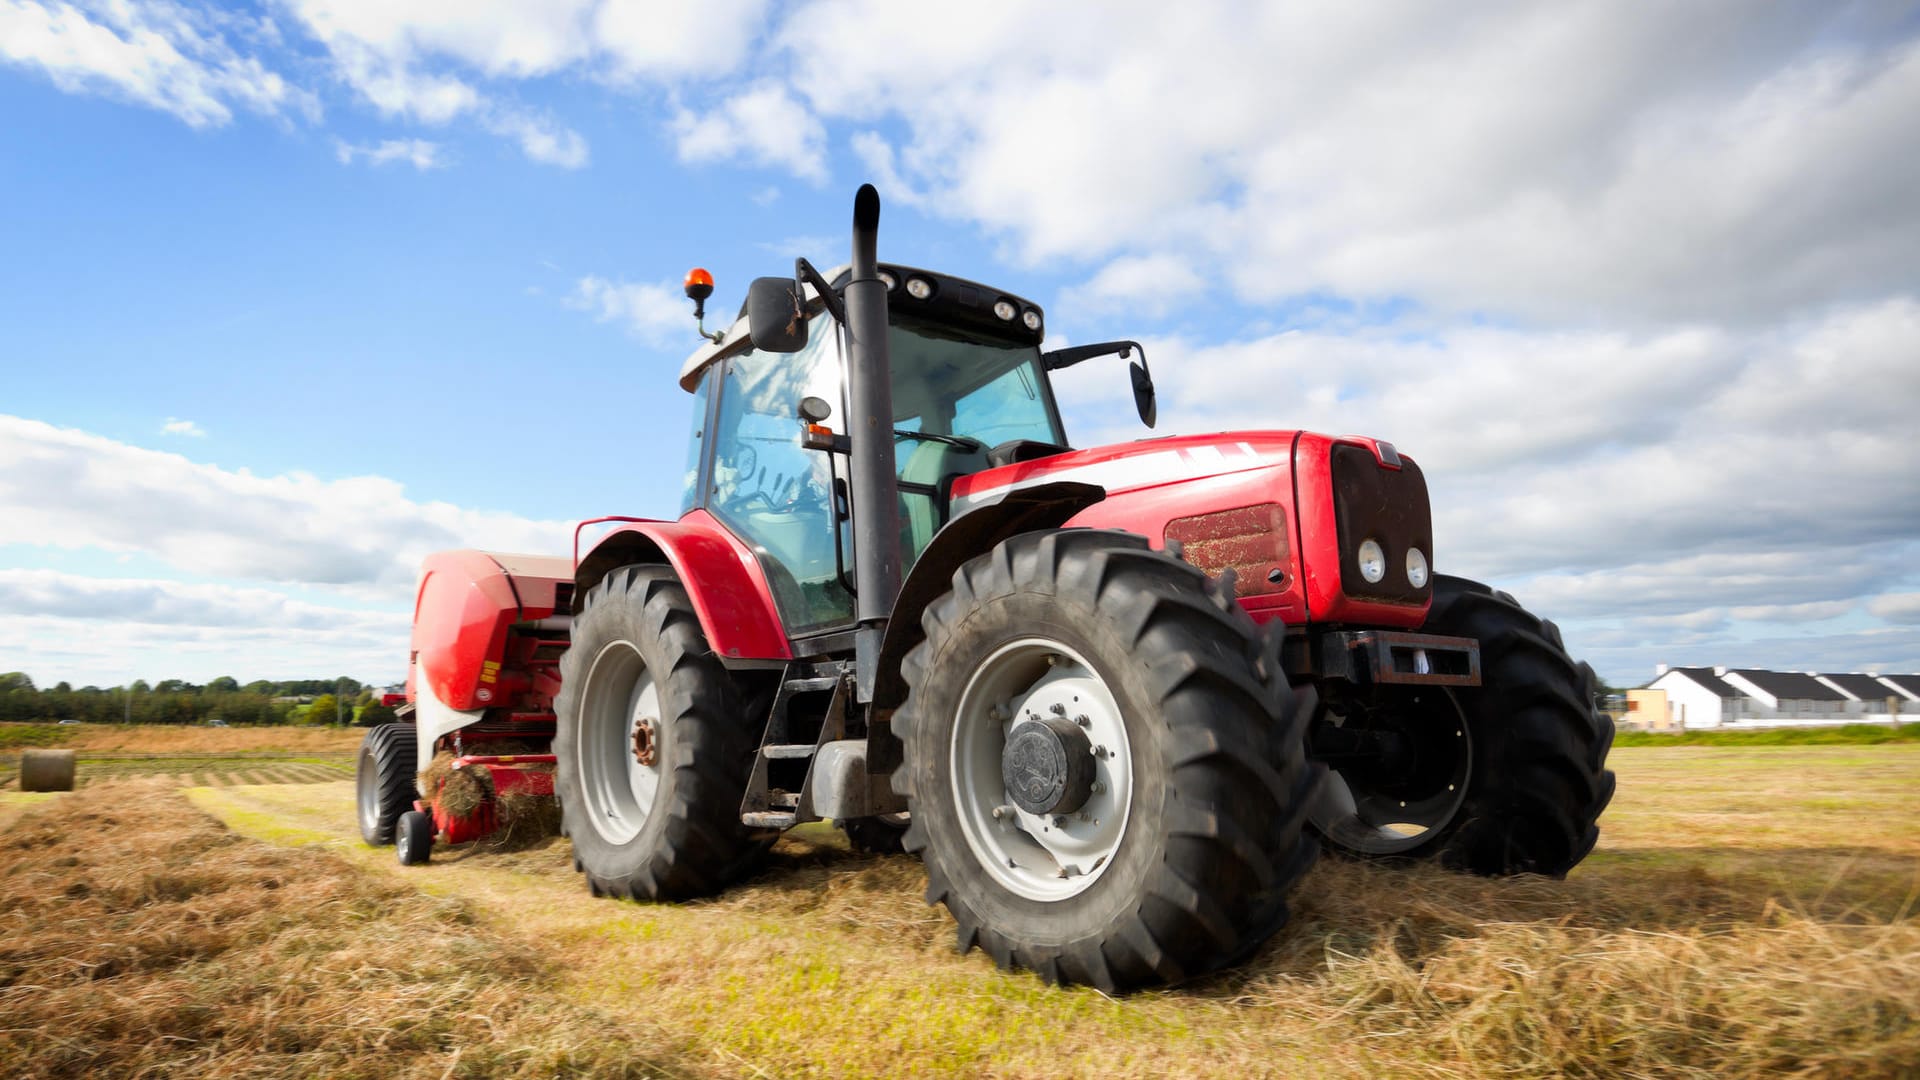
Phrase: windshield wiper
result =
(961, 441)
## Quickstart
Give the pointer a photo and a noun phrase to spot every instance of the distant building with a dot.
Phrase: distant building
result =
(1699, 697)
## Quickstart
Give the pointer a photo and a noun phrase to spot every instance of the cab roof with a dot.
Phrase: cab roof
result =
(969, 300)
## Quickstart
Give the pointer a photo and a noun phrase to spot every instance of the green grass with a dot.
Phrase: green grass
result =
(1845, 735)
(21, 736)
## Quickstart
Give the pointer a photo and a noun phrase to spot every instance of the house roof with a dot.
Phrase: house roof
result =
(1790, 685)
(1864, 687)
(1909, 683)
(1705, 677)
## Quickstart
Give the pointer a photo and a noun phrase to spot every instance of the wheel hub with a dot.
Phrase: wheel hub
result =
(1048, 765)
(646, 743)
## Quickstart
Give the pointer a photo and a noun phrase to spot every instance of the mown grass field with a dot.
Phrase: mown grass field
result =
(1751, 912)
(188, 756)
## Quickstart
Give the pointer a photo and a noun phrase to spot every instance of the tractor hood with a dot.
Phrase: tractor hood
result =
(1135, 465)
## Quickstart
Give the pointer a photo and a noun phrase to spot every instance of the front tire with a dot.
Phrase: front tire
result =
(1182, 748)
(652, 753)
(1510, 776)
(383, 781)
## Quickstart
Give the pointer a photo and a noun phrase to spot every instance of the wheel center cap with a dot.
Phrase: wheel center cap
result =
(1048, 766)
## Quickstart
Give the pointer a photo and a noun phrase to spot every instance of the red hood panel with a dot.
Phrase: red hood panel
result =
(1135, 465)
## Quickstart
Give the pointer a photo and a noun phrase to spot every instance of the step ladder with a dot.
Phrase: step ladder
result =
(776, 796)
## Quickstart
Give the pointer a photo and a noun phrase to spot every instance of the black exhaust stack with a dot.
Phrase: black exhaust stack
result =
(876, 517)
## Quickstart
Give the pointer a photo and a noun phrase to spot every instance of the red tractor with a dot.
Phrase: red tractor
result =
(1115, 698)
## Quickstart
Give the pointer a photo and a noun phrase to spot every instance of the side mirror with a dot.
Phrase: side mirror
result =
(1142, 378)
(775, 321)
(1143, 392)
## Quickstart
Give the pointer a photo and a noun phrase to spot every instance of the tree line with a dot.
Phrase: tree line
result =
(175, 701)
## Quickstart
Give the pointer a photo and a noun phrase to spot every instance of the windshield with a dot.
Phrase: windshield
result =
(949, 382)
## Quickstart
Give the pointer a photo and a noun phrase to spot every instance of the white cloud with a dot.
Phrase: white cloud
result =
(657, 312)
(643, 39)
(69, 489)
(1147, 285)
(401, 92)
(177, 426)
(419, 153)
(540, 138)
(764, 125)
(432, 62)
(499, 38)
(54, 594)
(153, 53)
(1901, 608)
(1581, 161)
(112, 651)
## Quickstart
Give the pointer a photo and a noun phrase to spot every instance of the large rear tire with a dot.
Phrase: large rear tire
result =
(653, 754)
(1508, 777)
(383, 781)
(1161, 841)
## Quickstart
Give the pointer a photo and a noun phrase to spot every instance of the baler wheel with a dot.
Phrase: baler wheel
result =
(1105, 765)
(383, 781)
(414, 837)
(1531, 737)
(658, 818)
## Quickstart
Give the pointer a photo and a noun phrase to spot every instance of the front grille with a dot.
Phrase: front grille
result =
(1389, 506)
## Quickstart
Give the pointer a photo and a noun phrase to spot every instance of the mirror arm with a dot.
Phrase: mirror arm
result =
(803, 275)
(1066, 358)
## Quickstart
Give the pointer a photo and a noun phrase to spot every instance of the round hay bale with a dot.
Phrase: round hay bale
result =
(46, 770)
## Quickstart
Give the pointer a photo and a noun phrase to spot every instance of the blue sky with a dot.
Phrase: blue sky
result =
(293, 293)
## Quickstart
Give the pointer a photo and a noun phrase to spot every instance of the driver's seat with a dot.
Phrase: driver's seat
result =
(931, 463)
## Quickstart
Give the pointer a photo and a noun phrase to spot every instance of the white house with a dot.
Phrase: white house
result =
(1696, 697)
(1907, 687)
(1782, 698)
(1869, 696)
(1751, 697)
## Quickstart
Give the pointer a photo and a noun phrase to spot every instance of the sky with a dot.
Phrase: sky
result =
(294, 293)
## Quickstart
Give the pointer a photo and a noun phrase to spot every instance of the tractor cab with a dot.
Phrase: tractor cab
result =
(969, 391)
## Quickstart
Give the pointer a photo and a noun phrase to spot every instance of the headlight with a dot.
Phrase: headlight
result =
(1373, 561)
(1416, 568)
(1032, 319)
(887, 280)
(1004, 309)
(919, 288)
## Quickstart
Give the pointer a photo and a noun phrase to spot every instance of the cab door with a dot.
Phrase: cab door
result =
(773, 493)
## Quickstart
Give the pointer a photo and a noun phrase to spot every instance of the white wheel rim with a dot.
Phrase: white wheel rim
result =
(619, 693)
(1039, 856)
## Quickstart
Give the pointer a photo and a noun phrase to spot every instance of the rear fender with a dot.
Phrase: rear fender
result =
(729, 590)
(1019, 510)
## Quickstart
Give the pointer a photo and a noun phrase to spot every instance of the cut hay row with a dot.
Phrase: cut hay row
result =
(144, 939)
(213, 775)
(1696, 942)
